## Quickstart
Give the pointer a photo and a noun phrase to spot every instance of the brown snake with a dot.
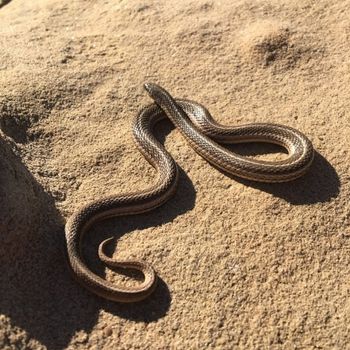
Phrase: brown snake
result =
(203, 134)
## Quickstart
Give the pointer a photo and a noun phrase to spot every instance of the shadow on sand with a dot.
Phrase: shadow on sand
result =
(37, 291)
(39, 295)
(320, 184)
(4, 2)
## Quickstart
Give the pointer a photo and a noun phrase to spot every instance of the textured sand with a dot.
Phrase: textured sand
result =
(242, 265)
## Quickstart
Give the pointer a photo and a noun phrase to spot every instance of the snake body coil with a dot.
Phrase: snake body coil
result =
(203, 134)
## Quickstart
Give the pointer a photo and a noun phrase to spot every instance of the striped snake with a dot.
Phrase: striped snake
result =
(205, 136)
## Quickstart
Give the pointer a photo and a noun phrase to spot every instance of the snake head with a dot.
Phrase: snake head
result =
(157, 93)
(151, 87)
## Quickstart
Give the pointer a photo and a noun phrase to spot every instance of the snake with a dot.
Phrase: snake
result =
(208, 139)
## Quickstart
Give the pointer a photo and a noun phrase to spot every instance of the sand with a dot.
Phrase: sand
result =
(242, 265)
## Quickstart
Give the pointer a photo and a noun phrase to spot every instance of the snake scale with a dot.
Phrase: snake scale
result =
(205, 136)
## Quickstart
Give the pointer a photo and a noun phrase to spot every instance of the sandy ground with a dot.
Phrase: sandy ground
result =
(242, 265)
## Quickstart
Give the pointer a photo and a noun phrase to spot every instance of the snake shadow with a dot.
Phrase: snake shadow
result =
(320, 184)
(4, 2)
(37, 291)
